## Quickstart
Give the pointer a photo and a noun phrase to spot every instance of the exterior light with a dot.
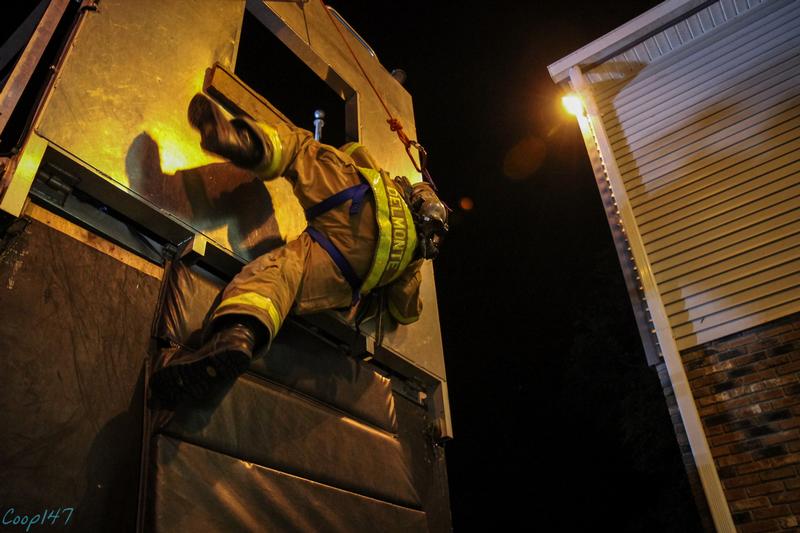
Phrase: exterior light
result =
(573, 104)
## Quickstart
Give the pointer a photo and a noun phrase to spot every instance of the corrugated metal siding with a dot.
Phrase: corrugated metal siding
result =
(707, 139)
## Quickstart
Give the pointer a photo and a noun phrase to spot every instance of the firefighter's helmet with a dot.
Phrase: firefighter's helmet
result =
(429, 213)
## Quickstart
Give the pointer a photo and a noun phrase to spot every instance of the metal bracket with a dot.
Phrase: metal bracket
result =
(431, 391)
(54, 185)
(439, 409)
(193, 249)
(19, 177)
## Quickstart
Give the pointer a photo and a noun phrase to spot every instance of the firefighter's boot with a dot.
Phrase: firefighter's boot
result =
(197, 375)
(233, 140)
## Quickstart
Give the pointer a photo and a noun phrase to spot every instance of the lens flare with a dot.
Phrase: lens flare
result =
(573, 104)
(524, 158)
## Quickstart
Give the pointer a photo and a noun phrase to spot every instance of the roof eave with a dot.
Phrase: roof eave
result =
(626, 36)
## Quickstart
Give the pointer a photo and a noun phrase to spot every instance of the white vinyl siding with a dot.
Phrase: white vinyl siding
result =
(706, 134)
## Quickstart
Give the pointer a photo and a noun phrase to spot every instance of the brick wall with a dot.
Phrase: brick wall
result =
(747, 390)
(686, 452)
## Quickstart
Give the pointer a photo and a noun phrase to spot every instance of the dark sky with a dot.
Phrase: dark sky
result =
(559, 423)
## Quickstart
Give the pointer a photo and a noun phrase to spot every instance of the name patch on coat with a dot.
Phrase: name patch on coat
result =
(399, 229)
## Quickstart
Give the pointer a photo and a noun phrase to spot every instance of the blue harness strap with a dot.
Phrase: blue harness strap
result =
(338, 258)
(356, 195)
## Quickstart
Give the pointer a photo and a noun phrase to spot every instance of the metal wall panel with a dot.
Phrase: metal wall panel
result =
(704, 123)
(74, 323)
(113, 126)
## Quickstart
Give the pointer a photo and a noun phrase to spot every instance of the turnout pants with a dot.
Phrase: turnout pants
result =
(298, 277)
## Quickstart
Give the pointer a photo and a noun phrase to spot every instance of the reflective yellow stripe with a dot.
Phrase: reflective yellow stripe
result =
(401, 229)
(252, 299)
(411, 241)
(360, 154)
(349, 148)
(277, 151)
(407, 240)
(395, 312)
(381, 256)
(388, 236)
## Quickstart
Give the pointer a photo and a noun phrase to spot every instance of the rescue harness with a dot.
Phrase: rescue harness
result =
(355, 195)
(397, 236)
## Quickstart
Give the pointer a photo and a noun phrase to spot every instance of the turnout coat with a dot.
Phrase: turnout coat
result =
(360, 235)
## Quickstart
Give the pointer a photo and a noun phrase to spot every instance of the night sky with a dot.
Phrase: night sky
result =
(559, 423)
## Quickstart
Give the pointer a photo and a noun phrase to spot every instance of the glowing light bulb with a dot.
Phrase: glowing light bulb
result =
(573, 104)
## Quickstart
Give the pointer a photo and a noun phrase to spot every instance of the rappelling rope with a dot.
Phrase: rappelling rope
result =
(394, 124)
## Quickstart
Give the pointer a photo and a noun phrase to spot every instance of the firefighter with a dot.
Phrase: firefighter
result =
(365, 232)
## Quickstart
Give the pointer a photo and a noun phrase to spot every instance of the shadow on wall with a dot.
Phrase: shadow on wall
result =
(692, 180)
(706, 155)
(608, 78)
(112, 467)
(207, 198)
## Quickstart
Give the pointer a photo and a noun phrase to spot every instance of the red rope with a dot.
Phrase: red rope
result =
(394, 123)
(360, 66)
